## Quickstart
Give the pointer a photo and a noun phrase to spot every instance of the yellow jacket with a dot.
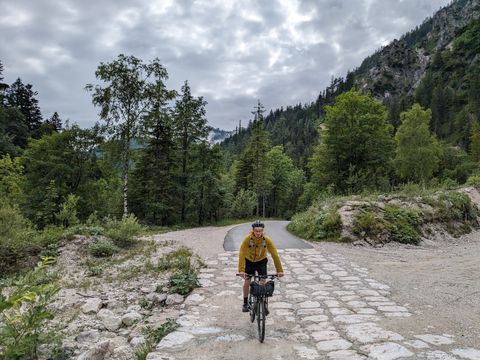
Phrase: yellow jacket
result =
(257, 252)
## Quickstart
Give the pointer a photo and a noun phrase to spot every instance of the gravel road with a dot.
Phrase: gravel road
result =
(337, 302)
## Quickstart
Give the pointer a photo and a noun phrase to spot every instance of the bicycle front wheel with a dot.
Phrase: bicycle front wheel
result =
(261, 319)
(252, 303)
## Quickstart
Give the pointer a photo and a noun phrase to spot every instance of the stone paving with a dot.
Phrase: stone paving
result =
(325, 308)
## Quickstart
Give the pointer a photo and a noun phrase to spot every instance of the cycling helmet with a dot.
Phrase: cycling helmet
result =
(258, 223)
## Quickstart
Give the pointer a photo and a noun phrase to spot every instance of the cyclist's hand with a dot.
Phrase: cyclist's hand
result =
(243, 275)
(280, 274)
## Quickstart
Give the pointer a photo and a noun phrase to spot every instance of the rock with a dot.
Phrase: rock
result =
(136, 308)
(156, 298)
(98, 352)
(89, 336)
(158, 356)
(122, 353)
(194, 298)
(175, 340)
(109, 319)
(131, 318)
(92, 306)
(137, 341)
(173, 299)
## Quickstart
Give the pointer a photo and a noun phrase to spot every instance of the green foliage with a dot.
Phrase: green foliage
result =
(11, 178)
(153, 337)
(418, 152)
(183, 282)
(474, 181)
(355, 145)
(367, 223)
(56, 166)
(404, 224)
(179, 259)
(131, 93)
(286, 183)
(67, 216)
(124, 232)
(244, 204)
(317, 224)
(102, 248)
(475, 141)
(16, 238)
(455, 206)
(24, 312)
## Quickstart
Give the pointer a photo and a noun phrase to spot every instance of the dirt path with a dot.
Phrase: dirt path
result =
(337, 302)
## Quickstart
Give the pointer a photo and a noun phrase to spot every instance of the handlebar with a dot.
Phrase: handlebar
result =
(271, 276)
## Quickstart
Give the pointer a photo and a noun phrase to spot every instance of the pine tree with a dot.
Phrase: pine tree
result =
(191, 128)
(154, 191)
(23, 98)
(418, 151)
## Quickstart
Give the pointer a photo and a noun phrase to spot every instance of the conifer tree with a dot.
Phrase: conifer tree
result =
(191, 127)
(475, 142)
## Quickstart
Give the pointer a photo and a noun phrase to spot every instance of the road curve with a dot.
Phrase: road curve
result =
(276, 230)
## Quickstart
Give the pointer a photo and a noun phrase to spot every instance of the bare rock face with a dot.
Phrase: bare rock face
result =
(92, 306)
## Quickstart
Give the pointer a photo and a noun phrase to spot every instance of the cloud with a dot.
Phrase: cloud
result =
(281, 51)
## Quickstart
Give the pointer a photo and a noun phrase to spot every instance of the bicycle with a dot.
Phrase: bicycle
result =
(258, 300)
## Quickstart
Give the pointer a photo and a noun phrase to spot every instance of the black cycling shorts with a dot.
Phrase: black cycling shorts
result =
(260, 266)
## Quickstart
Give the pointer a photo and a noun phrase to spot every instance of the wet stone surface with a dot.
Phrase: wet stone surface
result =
(325, 308)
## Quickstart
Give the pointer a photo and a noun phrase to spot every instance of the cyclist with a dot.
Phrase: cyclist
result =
(253, 256)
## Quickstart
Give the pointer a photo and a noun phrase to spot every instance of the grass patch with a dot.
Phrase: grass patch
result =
(102, 248)
(317, 224)
(153, 337)
(404, 224)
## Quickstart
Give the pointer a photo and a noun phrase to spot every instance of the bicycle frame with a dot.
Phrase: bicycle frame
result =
(258, 305)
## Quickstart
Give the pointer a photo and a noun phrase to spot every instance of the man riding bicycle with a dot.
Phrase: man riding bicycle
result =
(253, 257)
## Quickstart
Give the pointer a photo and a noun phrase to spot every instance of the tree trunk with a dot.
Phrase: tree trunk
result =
(125, 189)
(263, 200)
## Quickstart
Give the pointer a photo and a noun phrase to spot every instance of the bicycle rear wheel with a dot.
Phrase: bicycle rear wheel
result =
(261, 319)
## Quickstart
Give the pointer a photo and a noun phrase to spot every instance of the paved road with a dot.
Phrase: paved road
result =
(326, 307)
(276, 230)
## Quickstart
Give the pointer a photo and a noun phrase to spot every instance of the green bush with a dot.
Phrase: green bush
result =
(183, 282)
(17, 238)
(367, 223)
(102, 248)
(456, 206)
(243, 204)
(124, 232)
(24, 312)
(316, 224)
(404, 224)
(179, 259)
(474, 181)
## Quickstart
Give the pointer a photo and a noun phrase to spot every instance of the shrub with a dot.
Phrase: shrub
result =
(17, 238)
(316, 224)
(124, 232)
(102, 248)
(456, 206)
(404, 224)
(474, 181)
(24, 312)
(179, 259)
(367, 223)
(183, 282)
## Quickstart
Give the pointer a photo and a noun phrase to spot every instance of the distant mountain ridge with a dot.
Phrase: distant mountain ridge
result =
(437, 64)
(397, 68)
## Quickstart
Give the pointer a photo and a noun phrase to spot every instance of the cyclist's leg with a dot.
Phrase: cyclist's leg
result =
(246, 288)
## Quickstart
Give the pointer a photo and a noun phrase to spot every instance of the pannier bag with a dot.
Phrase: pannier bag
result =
(257, 290)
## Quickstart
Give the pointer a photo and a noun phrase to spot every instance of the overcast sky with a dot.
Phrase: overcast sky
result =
(231, 52)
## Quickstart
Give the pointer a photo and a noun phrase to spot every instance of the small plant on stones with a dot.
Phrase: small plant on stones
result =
(153, 337)
(102, 248)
